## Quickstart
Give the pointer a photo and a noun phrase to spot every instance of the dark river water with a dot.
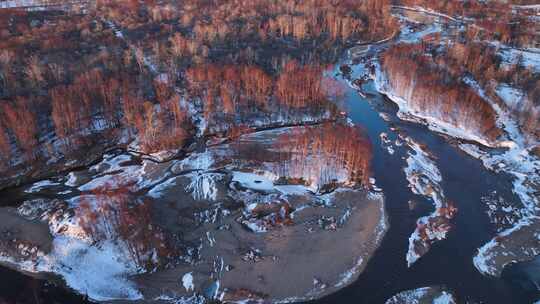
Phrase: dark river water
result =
(449, 262)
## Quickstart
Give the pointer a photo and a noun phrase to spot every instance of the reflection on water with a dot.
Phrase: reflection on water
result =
(524, 277)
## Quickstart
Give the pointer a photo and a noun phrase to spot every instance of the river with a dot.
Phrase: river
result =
(465, 181)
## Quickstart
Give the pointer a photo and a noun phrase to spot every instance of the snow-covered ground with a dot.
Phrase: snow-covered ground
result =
(530, 58)
(264, 191)
(406, 112)
(37, 5)
(302, 158)
(187, 281)
(99, 270)
(422, 173)
(516, 244)
(512, 97)
(424, 179)
(253, 181)
(434, 295)
(36, 187)
(203, 185)
(518, 161)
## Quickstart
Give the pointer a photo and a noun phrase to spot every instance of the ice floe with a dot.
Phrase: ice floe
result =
(187, 282)
(434, 295)
(424, 179)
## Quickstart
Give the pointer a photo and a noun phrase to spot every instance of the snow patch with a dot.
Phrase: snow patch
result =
(196, 161)
(99, 272)
(158, 190)
(424, 179)
(187, 282)
(444, 298)
(36, 187)
(511, 96)
(203, 185)
(253, 181)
